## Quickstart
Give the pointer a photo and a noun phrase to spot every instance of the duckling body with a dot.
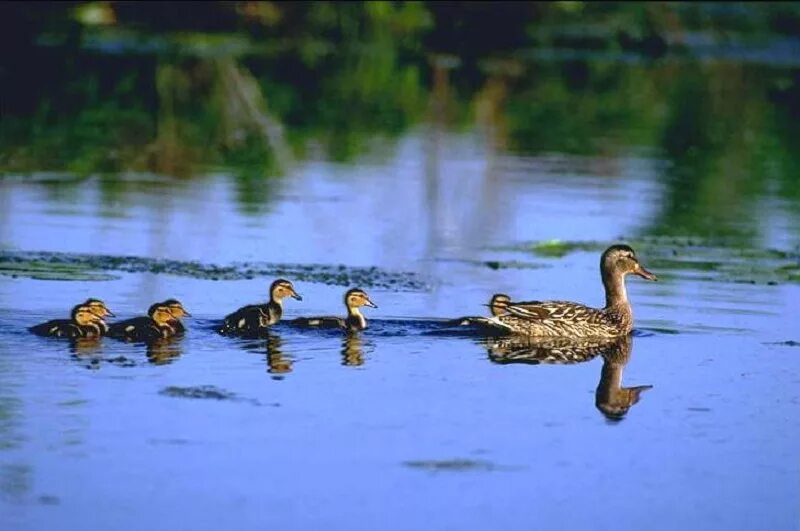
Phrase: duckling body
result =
(84, 323)
(255, 319)
(354, 299)
(158, 324)
(571, 319)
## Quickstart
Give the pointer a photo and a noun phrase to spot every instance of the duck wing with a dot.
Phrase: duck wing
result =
(56, 328)
(136, 329)
(248, 319)
(553, 311)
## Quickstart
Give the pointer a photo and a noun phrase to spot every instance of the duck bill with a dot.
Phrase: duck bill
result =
(644, 273)
(109, 313)
(370, 304)
(296, 296)
(185, 313)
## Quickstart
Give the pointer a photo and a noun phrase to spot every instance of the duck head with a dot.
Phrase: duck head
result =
(620, 260)
(356, 298)
(176, 308)
(161, 314)
(98, 307)
(82, 315)
(282, 288)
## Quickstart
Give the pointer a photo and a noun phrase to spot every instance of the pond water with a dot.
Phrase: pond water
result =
(399, 427)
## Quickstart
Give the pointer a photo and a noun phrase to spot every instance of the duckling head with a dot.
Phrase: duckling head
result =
(355, 298)
(83, 315)
(176, 308)
(160, 313)
(282, 288)
(498, 303)
(98, 307)
(620, 260)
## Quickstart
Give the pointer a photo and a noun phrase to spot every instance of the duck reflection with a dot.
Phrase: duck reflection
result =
(164, 350)
(85, 346)
(353, 350)
(611, 399)
(278, 363)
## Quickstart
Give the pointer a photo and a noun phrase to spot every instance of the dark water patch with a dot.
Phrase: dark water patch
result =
(47, 499)
(454, 465)
(70, 266)
(117, 361)
(208, 392)
(787, 343)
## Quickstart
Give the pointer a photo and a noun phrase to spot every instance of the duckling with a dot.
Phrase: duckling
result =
(177, 310)
(159, 323)
(497, 305)
(83, 323)
(353, 300)
(255, 318)
(570, 319)
(99, 308)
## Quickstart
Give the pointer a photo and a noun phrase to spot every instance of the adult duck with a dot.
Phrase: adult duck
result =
(571, 319)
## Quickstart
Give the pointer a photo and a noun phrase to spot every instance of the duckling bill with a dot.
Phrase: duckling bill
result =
(159, 323)
(255, 319)
(84, 322)
(354, 299)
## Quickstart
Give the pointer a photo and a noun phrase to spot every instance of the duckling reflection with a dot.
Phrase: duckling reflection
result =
(164, 350)
(611, 399)
(536, 351)
(277, 362)
(85, 346)
(353, 350)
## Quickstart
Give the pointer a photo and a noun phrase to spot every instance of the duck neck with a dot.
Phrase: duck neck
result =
(616, 295)
(355, 319)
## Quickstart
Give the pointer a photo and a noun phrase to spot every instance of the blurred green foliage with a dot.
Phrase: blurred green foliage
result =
(107, 87)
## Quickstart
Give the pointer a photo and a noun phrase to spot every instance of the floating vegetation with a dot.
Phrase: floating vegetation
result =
(717, 260)
(555, 248)
(50, 271)
(452, 465)
(208, 392)
(69, 266)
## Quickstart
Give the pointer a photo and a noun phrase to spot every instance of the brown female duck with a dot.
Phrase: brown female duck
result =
(83, 322)
(159, 323)
(570, 319)
(254, 319)
(354, 299)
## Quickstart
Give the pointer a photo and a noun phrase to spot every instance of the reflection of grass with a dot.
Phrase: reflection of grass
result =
(554, 248)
